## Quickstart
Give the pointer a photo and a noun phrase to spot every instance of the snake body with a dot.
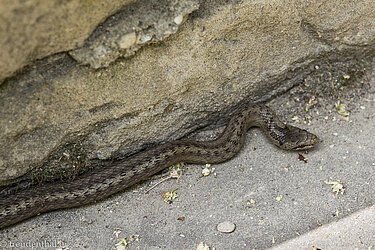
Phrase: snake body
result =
(106, 181)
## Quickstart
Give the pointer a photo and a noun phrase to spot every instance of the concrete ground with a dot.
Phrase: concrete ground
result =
(275, 198)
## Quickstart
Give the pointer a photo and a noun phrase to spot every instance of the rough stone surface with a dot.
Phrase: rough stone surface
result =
(58, 117)
(31, 30)
(127, 31)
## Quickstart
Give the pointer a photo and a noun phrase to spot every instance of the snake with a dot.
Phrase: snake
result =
(123, 173)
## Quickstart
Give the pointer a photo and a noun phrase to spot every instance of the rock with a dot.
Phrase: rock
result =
(36, 29)
(59, 118)
(226, 227)
(142, 23)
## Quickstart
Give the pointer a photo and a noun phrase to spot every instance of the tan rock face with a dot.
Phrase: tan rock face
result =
(31, 30)
(61, 117)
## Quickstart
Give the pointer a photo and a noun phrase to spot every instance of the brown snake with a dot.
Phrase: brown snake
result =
(104, 182)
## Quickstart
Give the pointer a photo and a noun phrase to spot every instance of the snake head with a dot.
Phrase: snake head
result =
(298, 139)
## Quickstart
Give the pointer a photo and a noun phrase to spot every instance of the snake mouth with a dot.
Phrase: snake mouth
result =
(303, 147)
(307, 146)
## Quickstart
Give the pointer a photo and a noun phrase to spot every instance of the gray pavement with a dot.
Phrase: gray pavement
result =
(353, 232)
(273, 198)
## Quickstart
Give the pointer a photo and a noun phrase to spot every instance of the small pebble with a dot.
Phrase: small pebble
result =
(226, 227)
(178, 19)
